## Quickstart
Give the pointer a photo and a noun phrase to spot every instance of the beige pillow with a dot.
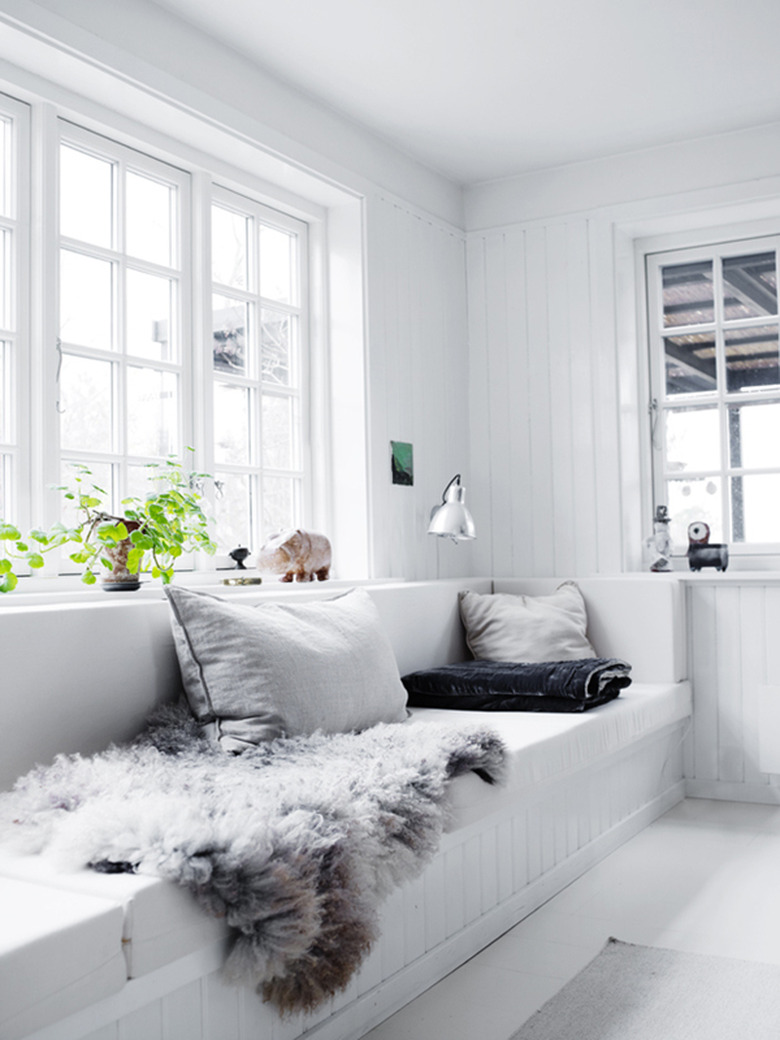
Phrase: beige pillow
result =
(505, 627)
(252, 674)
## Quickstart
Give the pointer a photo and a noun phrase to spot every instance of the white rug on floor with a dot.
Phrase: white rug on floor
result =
(641, 993)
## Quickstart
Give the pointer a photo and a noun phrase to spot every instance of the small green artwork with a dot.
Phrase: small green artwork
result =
(402, 462)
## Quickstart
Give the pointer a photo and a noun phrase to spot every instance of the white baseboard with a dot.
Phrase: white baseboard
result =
(764, 794)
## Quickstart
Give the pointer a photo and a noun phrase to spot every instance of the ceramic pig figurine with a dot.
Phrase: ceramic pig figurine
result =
(296, 555)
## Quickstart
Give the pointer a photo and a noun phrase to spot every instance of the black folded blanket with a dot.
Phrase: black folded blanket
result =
(497, 686)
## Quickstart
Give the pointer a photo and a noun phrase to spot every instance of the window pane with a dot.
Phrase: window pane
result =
(86, 197)
(279, 448)
(754, 436)
(6, 170)
(86, 403)
(688, 297)
(230, 328)
(754, 506)
(6, 267)
(152, 412)
(149, 218)
(102, 474)
(690, 364)
(232, 512)
(276, 267)
(692, 439)
(139, 481)
(751, 358)
(6, 397)
(275, 347)
(280, 505)
(228, 247)
(86, 300)
(6, 483)
(697, 499)
(149, 311)
(231, 424)
(749, 286)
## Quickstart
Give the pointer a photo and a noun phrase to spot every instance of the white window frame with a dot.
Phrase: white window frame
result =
(125, 159)
(259, 213)
(41, 124)
(15, 228)
(660, 404)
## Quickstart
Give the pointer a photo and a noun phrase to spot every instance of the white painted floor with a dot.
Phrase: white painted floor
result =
(704, 878)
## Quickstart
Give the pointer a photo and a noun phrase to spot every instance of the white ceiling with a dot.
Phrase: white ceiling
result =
(483, 89)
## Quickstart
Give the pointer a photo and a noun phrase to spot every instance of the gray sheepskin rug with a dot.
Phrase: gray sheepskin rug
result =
(295, 843)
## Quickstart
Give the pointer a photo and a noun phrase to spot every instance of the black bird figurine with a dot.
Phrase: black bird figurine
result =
(702, 552)
(239, 555)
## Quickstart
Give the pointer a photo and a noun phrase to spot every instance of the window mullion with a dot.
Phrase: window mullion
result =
(46, 356)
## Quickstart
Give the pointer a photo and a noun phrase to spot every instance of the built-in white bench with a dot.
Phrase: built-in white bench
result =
(579, 786)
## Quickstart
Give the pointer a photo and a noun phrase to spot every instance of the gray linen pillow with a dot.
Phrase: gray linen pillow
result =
(252, 674)
(505, 627)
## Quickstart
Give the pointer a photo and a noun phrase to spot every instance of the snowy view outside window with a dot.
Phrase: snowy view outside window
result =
(716, 389)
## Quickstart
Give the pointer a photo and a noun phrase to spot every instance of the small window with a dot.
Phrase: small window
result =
(715, 383)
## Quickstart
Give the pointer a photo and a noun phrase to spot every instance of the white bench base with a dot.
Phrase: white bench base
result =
(485, 878)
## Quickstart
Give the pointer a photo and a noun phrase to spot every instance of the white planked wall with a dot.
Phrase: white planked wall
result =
(735, 651)
(418, 391)
(544, 408)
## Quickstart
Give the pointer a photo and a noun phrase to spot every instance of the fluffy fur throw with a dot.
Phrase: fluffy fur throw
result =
(294, 843)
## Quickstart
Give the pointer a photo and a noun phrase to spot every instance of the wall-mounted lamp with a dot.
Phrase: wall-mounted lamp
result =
(451, 519)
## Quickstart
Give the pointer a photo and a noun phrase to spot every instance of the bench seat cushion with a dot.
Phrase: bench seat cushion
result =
(160, 921)
(59, 952)
(546, 746)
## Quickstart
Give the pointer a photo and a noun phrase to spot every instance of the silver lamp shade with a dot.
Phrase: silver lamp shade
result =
(451, 519)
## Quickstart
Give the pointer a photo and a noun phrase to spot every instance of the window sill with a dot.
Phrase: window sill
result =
(62, 591)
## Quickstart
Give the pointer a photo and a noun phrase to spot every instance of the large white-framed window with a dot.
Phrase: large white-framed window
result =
(715, 390)
(165, 306)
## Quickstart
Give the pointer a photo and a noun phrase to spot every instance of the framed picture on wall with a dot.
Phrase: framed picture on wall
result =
(402, 462)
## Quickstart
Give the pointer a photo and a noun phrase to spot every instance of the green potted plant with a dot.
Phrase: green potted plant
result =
(149, 536)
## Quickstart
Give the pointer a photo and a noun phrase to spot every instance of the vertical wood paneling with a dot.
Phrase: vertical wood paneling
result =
(730, 687)
(518, 449)
(435, 907)
(393, 937)
(414, 917)
(606, 413)
(144, 1024)
(558, 349)
(545, 397)
(540, 417)
(735, 650)
(499, 412)
(583, 400)
(454, 890)
(489, 869)
(182, 1014)
(772, 629)
(704, 666)
(482, 461)
(220, 1009)
(520, 851)
(417, 383)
